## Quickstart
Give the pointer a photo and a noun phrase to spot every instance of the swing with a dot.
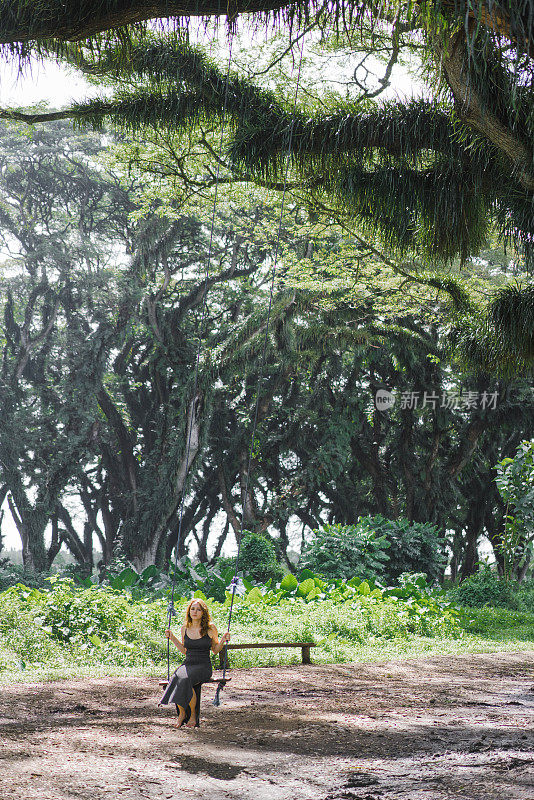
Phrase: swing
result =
(221, 682)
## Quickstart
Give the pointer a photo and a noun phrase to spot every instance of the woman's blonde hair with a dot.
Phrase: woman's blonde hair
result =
(205, 620)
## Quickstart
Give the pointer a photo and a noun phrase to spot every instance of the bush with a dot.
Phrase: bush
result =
(484, 588)
(257, 559)
(413, 546)
(343, 551)
(523, 597)
(377, 548)
(11, 574)
(83, 626)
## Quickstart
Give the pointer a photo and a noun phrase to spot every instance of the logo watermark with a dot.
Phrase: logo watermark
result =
(384, 400)
(454, 401)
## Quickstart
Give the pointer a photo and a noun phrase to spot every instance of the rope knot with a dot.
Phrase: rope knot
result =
(236, 585)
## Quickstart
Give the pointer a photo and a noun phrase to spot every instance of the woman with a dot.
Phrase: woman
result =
(199, 636)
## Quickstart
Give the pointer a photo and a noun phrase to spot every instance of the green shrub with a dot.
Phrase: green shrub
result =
(11, 574)
(257, 559)
(522, 598)
(481, 589)
(416, 547)
(377, 548)
(343, 551)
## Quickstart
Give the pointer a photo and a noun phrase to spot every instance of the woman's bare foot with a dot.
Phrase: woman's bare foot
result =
(181, 717)
(192, 722)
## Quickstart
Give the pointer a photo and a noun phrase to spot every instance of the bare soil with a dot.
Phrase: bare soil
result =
(458, 727)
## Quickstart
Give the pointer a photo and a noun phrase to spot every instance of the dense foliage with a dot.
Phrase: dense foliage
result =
(482, 588)
(100, 339)
(257, 558)
(377, 547)
(64, 625)
(515, 481)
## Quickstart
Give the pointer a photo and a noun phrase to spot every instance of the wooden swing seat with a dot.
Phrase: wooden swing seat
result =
(224, 681)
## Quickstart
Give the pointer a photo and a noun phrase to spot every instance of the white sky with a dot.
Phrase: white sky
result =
(51, 83)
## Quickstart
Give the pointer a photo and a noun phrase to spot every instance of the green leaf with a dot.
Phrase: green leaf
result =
(289, 583)
(150, 572)
(307, 573)
(128, 576)
(254, 596)
(306, 587)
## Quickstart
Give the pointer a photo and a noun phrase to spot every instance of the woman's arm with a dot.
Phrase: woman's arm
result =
(217, 645)
(170, 635)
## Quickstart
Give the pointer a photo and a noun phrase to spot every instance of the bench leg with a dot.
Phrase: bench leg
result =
(306, 658)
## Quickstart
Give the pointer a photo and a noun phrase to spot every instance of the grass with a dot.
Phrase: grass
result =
(499, 625)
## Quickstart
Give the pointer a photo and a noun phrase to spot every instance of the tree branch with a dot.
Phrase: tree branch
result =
(454, 59)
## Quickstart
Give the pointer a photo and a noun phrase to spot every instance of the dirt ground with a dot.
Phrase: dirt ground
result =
(457, 727)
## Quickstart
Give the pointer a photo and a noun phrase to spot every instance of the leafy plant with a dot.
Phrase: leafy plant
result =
(414, 547)
(258, 558)
(342, 551)
(376, 547)
(11, 574)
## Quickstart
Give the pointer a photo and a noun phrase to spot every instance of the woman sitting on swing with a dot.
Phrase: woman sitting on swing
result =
(199, 636)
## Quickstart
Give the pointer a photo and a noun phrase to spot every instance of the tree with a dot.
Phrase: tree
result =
(59, 216)
(370, 149)
(515, 481)
(428, 177)
(82, 20)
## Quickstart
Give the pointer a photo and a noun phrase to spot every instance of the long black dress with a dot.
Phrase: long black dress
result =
(195, 669)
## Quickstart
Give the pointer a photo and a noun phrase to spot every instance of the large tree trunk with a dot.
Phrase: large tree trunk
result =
(31, 525)
(143, 550)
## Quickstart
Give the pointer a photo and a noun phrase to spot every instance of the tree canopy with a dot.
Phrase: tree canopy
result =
(432, 177)
(101, 324)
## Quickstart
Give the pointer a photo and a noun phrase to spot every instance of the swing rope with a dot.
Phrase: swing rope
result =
(171, 610)
(234, 581)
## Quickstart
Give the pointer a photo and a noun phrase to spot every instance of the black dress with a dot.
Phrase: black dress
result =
(195, 669)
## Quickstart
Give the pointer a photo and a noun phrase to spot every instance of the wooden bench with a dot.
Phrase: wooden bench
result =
(305, 647)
